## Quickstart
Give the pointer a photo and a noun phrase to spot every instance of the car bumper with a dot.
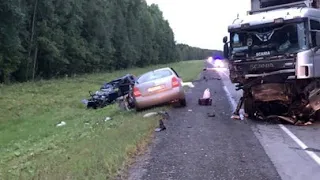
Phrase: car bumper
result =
(160, 98)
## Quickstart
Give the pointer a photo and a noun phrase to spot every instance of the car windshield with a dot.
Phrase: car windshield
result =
(153, 75)
(268, 41)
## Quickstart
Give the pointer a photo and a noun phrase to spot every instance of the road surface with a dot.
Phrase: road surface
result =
(196, 146)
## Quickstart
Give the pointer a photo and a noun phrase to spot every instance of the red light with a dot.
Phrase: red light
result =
(136, 92)
(175, 82)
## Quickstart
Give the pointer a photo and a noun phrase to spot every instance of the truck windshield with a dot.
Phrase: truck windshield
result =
(268, 41)
(270, 3)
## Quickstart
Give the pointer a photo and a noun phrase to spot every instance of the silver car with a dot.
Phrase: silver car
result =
(158, 87)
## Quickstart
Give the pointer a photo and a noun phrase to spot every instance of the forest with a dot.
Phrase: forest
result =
(186, 52)
(54, 38)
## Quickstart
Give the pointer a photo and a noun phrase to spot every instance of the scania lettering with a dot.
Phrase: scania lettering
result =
(261, 66)
(266, 53)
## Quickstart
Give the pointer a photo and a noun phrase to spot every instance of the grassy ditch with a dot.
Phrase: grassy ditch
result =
(87, 147)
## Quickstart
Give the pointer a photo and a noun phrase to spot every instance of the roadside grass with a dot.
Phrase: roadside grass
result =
(87, 147)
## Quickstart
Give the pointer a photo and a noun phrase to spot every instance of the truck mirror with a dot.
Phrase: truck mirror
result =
(226, 51)
(225, 39)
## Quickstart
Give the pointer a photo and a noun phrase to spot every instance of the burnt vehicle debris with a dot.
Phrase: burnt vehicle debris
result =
(110, 92)
(274, 56)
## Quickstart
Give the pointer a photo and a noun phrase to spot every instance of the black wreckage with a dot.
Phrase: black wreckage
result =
(109, 93)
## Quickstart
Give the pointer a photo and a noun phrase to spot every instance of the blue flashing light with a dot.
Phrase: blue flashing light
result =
(218, 58)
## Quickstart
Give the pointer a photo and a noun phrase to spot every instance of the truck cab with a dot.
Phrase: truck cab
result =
(274, 55)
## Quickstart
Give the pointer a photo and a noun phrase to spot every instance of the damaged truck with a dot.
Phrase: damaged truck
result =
(274, 56)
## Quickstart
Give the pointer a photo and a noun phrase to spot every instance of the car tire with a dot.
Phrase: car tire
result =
(249, 107)
(137, 109)
(183, 102)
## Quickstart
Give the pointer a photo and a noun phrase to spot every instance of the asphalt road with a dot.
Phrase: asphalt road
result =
(294, 150)
(196, 146)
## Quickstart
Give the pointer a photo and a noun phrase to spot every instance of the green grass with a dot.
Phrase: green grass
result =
(31, 147)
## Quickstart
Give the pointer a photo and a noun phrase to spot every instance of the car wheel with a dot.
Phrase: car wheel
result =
(183, 102)
(130, 101)
(137, 109)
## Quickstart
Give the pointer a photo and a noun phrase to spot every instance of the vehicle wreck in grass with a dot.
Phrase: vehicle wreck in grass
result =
(111, 92)
(159, 86)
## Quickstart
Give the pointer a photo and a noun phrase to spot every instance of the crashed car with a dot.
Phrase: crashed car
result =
(158, 87)
(111, 91)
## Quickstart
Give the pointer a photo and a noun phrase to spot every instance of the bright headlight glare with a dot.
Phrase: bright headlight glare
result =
(218, 63)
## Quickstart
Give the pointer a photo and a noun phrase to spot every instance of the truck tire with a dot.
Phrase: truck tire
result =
(249, 107)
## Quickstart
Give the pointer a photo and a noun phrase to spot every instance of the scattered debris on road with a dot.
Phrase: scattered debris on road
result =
(308, 123)
(211, 115)
(238, 117)
(260, 115)
(161, 127)
(164, 116)
(235, 117)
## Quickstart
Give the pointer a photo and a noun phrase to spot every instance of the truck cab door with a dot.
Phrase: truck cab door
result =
(316, 55)
(315, 44)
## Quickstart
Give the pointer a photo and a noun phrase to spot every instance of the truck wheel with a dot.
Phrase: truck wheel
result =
(249, 107)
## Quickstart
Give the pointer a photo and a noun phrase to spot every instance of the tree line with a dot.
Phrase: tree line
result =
(187, 52)
(52, 38)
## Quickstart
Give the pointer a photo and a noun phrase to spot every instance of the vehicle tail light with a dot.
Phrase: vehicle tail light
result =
(175, 82)
(136, 92)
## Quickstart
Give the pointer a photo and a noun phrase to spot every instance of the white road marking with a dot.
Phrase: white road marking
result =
(231, 100)
(312, 155)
